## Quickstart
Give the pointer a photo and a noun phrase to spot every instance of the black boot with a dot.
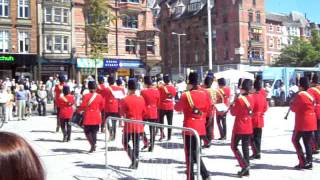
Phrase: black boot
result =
(244, 172)
(308, 165)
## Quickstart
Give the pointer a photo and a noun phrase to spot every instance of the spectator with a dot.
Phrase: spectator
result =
(42, 101)
(49, 85)
(9, 106)
(3, 100)
(18, 161)
(21, 97)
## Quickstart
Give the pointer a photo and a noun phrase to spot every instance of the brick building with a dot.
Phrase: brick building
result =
(133, 41)
(238, 32)
(18, 38)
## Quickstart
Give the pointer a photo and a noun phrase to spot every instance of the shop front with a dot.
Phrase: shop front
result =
(51, 67)
(17, 65)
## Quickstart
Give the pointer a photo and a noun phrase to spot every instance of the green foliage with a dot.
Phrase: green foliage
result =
(301, 52)
(99, 16)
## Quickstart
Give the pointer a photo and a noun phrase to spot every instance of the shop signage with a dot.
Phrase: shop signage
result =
(111, 63)
(7, 58)
(123, 72)
(155, 70)
(89, 63)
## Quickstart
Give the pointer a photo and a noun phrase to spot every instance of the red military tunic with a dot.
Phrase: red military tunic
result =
(243, 121)
(305, 119)
(263, 92)
(260, 107)
(152, 98)
(101, 88)
(210, 93)
(315, 92)
(191, 120)
(133, 107)
(58, 90)
(66, 109)
(166, 103)
(111, 103)
(223, 96)
(92, 115)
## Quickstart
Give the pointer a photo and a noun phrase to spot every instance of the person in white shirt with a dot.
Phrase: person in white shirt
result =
(3, 100)
(9, 106)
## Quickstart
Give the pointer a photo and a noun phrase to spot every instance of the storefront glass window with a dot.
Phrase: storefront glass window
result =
(4, 41)
(4, 8)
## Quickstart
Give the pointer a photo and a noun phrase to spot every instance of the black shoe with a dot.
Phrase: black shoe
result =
(206, 146)
(150, 149)
(57, 129)
(92, 149)
(64, 139)
(244, 172)
(315, 152)
(134, 165)
(255, 156)
(222, 138)
(308, 165)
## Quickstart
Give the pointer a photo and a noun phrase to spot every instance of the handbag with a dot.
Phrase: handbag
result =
(77, 117)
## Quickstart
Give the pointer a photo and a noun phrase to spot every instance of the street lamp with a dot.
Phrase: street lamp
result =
(179, 36)
(209, 33)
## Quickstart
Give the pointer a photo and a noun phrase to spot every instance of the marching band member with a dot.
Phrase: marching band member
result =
(65, 104)
(305, 124)
(133, 107)
(195, 104)
(223, 95)
(260, 107)
(242, 128)
(57, 91)
(92, 105)
(167, 93)
(151, 96)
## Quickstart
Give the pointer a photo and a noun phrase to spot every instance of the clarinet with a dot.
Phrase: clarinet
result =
(289, 109)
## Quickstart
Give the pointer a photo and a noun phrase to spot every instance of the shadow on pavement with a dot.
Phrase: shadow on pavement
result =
(220, 143)
(270, 167)
(113, 149)
(277, 151)
(162, 161)
(42, 131)
(86, 178)
(47, 140)
(69, 150)
(222, 174)
(84, 139)
(219, 157)
(170, 145)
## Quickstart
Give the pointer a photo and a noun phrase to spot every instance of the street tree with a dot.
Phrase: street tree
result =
(99, 17)
(300, 53)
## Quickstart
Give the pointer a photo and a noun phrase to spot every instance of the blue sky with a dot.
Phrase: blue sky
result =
(311, 7)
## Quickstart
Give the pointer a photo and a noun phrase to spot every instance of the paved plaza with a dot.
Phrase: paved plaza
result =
(70, 161)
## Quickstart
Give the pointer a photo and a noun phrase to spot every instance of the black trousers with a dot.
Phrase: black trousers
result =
(91, 133)
(152, 131)
(222, 125)
(133, 153)
(307, 139)
(112, 126)
(243, 158)
(190, 150)
(169, 115)
(317, 135)
(209, 128)
(58, 120)
(66, 128)
(255, 141)
(42, 109)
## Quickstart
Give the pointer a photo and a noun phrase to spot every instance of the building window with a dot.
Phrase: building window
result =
(57, 15)
(226, 54)
(271, 45)
(258, 17)
(23, 8)
(4, 41)
(278, 29)
(279, 43)
(250, 16)
(130, 21)
(256, 54)
(270, 28)
(226, 36)
(150, 46)
(57, 43)
(65, 15)
(254, 2)
(49, 43)
(194, 6)
(4, 8)
(48, 12)
(23, 42)
(130, 46)
(65, 43)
